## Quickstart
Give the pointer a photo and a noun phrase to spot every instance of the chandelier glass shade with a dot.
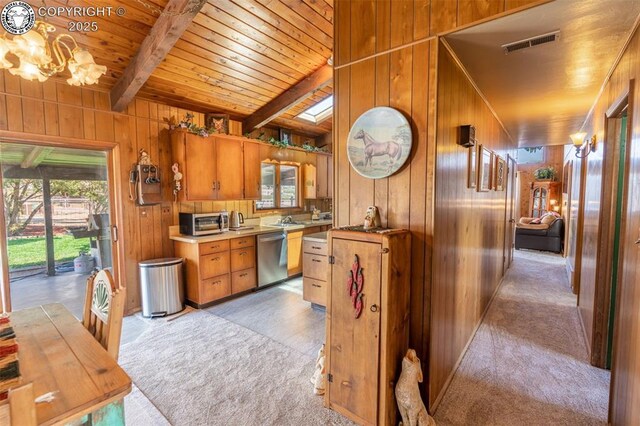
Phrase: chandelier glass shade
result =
(40, 59)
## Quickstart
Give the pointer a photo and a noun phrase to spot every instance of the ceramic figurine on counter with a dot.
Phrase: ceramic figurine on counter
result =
(372, 218)
(410, 403)
(319, 375)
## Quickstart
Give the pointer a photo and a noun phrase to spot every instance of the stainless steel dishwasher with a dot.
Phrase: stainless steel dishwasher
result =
(272, 258)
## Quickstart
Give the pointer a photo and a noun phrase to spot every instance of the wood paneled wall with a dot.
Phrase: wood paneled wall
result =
(625, 386)
(469, 226)
(553, 156)
(405, 79)
(56, 109)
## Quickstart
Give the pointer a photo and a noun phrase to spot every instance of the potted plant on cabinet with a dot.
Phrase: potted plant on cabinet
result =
(545, 173)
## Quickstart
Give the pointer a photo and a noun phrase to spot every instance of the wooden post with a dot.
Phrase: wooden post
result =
(48, 226)
(5, 287)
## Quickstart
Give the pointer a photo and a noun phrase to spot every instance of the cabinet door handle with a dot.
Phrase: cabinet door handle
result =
(216, 282)
(316, 260)
(218, 186)
(214, 247)
(243, 253)
(215, 259)
(316, 248)
(374, 308)
(316, 285)
(243, 275)
(638, 241)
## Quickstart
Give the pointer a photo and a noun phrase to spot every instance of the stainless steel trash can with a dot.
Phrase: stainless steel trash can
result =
(161, 286)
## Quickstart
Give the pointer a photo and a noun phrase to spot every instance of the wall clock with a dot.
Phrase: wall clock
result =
(379, 142)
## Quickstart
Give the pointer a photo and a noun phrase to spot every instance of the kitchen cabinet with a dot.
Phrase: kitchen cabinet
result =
(378, 338)
(229, 167)
(243, 264)
(314, 271)
(321, 176)
(294, 248)
(294, 253)
(318, 178)
(330, 177)
(216, 270)
(309, 186)
(212, 167)
(252, 171)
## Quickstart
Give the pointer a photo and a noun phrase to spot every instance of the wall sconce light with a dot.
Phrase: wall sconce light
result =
(578, 140)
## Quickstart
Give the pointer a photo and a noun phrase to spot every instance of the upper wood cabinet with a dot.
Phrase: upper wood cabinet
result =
(229, 167)
(196, 157)
(212, 167)
(321, 178)
(309, 187)
(318, 179)
(252, 171)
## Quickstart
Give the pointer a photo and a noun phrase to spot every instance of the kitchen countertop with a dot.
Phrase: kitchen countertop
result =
(320, 237)
(257, 230)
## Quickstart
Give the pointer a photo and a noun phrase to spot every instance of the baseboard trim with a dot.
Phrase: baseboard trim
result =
(447, 383)
(584, 334)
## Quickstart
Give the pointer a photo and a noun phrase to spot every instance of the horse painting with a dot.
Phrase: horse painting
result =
(373, 148)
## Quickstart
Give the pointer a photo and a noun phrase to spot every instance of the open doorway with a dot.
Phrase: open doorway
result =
(612, 222)
(57, 222)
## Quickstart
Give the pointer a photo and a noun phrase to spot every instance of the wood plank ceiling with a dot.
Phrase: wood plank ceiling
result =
(235, 57)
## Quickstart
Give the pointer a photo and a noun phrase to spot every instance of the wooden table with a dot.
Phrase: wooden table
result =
(57, 353)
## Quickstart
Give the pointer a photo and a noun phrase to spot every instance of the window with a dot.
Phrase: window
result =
(319, 112)
(531, 155)
(279, 188)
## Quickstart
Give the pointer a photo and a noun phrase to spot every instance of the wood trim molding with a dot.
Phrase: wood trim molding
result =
(168, 28)
(56, 141)
(297, 93)
(4, 258)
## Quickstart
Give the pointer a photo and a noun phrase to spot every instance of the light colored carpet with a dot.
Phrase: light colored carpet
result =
(201, 369)
(528, 362)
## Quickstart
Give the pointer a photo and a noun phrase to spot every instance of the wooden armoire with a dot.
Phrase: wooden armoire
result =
(542, 192)
(364, 353)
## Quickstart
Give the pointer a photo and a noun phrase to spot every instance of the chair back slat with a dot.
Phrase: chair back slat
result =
(103, 311)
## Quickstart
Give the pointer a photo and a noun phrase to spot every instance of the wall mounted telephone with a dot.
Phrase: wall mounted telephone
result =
(144, 182)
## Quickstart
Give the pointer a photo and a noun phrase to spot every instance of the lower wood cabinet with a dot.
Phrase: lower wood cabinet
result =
(315, 270)
(294, 248)
(378, 337)
(215, 270)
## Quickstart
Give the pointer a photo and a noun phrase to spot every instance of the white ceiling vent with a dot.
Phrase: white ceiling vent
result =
(530, 42)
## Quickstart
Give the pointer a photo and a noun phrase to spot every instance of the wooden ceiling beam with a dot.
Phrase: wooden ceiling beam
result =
(290, 98)
(164, 34)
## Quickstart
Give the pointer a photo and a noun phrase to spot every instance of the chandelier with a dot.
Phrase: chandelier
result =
(41, 59)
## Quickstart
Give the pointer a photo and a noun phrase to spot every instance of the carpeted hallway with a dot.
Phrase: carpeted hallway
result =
(528, 363)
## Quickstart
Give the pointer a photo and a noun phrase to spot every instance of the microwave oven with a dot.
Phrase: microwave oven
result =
(197, 224)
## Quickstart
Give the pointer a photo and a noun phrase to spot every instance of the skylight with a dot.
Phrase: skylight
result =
(319, 111)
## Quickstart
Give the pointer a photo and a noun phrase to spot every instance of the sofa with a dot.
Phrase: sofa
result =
(545, 233)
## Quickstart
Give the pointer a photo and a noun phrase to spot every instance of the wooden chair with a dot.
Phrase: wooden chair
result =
(103, 311)
(20, 409)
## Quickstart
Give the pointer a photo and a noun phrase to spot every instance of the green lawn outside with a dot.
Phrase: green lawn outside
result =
(32, 251)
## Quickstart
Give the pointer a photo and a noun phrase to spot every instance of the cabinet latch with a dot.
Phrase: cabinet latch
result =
(384, 250)
(332, 260)
(330, 378)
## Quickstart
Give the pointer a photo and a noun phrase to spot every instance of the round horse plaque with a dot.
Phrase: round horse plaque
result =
(379, 142)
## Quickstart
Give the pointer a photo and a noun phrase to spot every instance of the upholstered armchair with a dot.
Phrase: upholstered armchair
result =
(547, 235)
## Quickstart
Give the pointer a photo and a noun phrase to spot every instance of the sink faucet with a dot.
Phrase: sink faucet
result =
(287, 219)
